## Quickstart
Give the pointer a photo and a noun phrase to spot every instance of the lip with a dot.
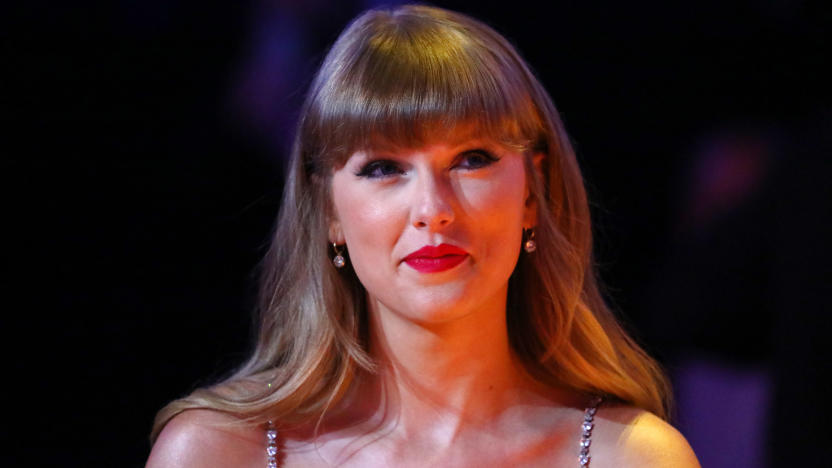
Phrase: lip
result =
(433, 259)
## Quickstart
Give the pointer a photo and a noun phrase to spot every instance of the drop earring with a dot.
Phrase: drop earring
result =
(338, 260)
(529, 245)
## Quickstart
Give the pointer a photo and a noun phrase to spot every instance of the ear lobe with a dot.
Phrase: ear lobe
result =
(530, 215)
(537, 168)
(537, 162)
(336, 235)
(530, 210)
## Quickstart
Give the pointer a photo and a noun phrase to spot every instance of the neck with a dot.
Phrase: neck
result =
(436, 379)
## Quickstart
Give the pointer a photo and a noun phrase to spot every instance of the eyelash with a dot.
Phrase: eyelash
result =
(487, 158)
(370, 169)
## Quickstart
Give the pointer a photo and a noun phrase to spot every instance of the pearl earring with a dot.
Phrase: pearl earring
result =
(338, 260)
(530, 245)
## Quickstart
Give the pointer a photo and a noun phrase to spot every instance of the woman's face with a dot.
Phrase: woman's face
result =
(433, 233)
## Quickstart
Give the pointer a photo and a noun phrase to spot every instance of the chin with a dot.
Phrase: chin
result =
(436, 308)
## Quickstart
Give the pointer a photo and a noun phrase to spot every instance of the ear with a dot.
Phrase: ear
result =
(530, 213)
(336, 235)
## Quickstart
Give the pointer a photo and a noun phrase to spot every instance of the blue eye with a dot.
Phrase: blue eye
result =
(476, 159)
(380, 169)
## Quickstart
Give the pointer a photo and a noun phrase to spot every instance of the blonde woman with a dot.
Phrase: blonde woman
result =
(429, 297)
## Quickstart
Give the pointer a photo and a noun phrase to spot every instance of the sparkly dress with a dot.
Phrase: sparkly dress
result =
(583, 454)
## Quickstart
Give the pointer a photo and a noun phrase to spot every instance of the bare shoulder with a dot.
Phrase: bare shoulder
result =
(630, 437)
(206, 438)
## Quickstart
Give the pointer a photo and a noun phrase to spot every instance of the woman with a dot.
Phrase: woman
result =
(401, 322)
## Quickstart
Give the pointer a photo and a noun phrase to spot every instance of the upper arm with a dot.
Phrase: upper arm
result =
(650, 442)
(196, 438)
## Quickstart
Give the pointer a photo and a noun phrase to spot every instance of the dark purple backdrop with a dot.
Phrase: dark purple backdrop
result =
(142, 158)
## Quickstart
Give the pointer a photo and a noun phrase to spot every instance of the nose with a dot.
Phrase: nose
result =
(433, 203)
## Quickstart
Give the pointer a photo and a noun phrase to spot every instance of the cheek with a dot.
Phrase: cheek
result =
(497, 208)
(497, 202)
(369, 223)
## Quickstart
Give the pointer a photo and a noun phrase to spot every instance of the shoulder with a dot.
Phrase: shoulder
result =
(207, 438)
(630, 437)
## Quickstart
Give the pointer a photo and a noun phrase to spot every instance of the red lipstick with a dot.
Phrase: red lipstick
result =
(433, 259)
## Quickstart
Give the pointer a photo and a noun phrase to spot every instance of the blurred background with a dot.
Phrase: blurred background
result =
(143, 147)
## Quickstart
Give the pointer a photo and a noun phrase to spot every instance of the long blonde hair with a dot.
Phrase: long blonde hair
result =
(403, 75)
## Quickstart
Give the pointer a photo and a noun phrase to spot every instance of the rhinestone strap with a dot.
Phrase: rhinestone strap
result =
(586, 431)
(271, 445)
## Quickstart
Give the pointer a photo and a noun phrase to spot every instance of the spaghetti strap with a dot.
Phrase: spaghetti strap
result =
(271, 445)
(586, 430)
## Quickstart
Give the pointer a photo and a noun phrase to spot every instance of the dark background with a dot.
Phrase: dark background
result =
(142, 153)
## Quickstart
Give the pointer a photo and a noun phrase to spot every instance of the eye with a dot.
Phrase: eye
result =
(476, 159)
(380, 169)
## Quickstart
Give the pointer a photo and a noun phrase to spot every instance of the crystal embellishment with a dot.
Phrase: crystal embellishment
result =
(339, 261)
(586, 431)
(271, 445)
(529, 245)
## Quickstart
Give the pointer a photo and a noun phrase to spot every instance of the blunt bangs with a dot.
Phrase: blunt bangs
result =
(397, 80)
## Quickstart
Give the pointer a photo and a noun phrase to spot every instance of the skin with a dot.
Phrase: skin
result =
(449, 391)
(439, 194)
(441, 337)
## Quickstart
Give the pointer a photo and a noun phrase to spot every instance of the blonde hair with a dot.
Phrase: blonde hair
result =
(400, 76)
